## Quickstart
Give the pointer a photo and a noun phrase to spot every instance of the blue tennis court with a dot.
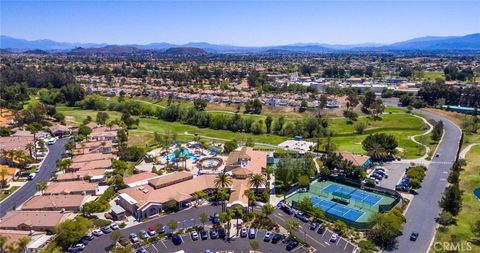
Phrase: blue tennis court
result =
(355, 194)
(336, 209)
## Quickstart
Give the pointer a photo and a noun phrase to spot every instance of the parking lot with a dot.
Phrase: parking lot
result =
(237, 244)
(321, 242)
(395, 172)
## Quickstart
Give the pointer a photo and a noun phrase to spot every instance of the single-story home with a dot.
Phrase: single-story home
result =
(71, 203)
(33, 220)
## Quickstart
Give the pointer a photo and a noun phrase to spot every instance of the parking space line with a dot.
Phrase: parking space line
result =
(153, 245)
(315, 240)
(164, 244)
(346, 244)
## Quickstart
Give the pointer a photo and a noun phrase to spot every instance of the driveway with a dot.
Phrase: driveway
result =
(424, 207)
(28, 190)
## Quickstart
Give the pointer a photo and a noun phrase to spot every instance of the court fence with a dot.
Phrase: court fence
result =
(332, 217)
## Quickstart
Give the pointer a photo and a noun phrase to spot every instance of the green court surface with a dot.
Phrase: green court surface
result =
(359, 205)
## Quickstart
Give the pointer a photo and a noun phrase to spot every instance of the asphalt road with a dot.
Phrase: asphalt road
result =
(424, 207)
(44, 175)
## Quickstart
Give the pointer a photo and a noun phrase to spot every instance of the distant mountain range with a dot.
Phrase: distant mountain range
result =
(469, 42)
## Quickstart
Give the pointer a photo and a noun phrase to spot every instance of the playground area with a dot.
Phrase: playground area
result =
(342, 201)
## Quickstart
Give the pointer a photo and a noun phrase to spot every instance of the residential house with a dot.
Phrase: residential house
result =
(33, 220)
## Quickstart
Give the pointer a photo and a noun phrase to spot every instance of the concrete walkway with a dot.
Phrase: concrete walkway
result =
(464, 152)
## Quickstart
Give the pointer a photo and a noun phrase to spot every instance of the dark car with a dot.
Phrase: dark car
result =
(287, 209)
(141, 250)
(84, 240)
(89, 236)
(313, 226)
(215, 218)
(221, 233)
(76, 248)
(213, 234)
(321, 229)
(276, 238)
(176, 239)
(301, 216)
(414, 236)
(204, 235)
(292, 244)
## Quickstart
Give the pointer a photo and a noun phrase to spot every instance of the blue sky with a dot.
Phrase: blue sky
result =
(246, 23)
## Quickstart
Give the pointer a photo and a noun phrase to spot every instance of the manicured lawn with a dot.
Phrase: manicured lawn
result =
(470, 213)
(433, 75)
(5, 193)
(398, 123)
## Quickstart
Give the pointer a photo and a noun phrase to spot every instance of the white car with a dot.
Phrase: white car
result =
(51, 141)
(97, 232)
(32, 176)
(194, 235)
(114, 226)
(268, 236)
(334, 237)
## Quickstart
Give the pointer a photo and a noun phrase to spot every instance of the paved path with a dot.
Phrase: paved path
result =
(464, 152)
(28, 190)
(424, 207)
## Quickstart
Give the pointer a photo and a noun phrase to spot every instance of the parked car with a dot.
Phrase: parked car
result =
(106, 230)
(143, 234)
(252, 233)
(313, 226)
(84, 240)
(176, 239)
(268, 236)
(213, 234)
(380, 168)
(114, 226)
(204, 235)
(276, 238)
(286, 209)
(142, 250)
(134, 238)
(215, 218)
(321, 229)
(76, 248)
(292, 244)
(301, 216)
(152, 233)
(97, 232)
(31, 176)
(221, 233)
(413, 236)
(51, 141)
(89, 236)
(194, 235)
(243, 232)
(334, 237)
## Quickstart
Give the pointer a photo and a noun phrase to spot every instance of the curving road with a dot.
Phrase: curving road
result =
(44, 175)
(424, 207)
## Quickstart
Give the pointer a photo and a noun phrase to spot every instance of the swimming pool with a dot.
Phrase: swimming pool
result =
(185, 153)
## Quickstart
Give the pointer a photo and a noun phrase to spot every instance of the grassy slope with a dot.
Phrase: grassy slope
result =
(399, 124)
(469, 181)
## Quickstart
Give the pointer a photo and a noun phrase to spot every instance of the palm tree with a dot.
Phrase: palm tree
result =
(223, 181)
(114, 237)
(41, 186)
(23, 242)
(3, 174)
(226, 217)
(291, 225)
(256, 180)
(222, 195)
(3, 240)
(267, 209)
(30, 147)
(200, 195)
(251, 197)
(34, 128)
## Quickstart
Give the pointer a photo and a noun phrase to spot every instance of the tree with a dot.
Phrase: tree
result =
(385, 228)
(256, 180)
(70, 231)
(172, 224)
(377, 108)
(63, 164)
(291, 226)
(452, 199)
(199, 104)
(3, 175)
(3, 240)
(380, 145)
(114, 237)
(268, 209)
(360, 127)
(34, 128)
(203, 218)
(340, 227)
(251, 198)
(128, 120)
(223, 180)
(230, 146)
(369, 98)
(41, 186)
(226, 217)
(102, 117)
(303, 180)
(437, 131)
(200, 195)
(446, 218)
(476, 228)
(268, 123)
